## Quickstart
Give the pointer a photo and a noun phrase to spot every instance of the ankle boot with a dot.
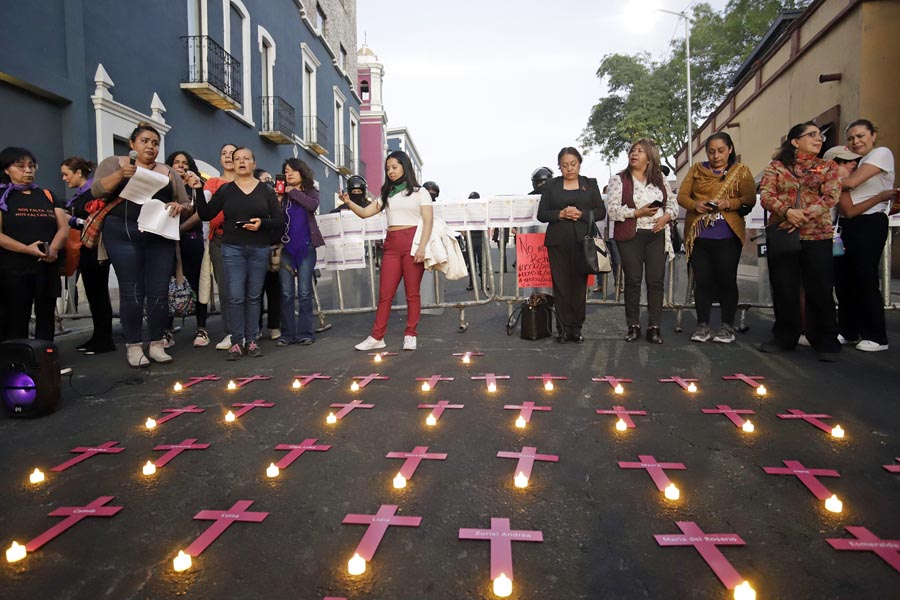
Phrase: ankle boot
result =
(158, 351)
(136, 357)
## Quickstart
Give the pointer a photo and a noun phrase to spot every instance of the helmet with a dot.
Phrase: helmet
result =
(433, 188)
(356, 182)
(540, 176)
(474, 196)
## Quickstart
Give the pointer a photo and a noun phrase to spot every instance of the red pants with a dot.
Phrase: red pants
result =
(396, 262)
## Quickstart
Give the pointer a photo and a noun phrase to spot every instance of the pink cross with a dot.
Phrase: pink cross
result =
(468, 353)
(525, 409)
(751, 380)
(297, 450)
(433, 380)
(305, 380)
(195, 380)
(684, 383)
(86, 453)
(887, 550)
(413, 459)
(365, 380)
(893, 468)
(176, 449)
(623, 414)
(438, 409)
(382, 354)
(177, 412)
(347, 408)
(806, 476)
(546, 377)
(490, 378)
(731, 413)
(612, 381)
(333, 598)
(796, 413)
(706, 544)
(526, 459)
(248, 406)
(223, 520)
(378, 526)
(655, 469)
(73, 514)
(501, 538)
(242, 381)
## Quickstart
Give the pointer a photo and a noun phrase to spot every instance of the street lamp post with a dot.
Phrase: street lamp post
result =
(687, 49)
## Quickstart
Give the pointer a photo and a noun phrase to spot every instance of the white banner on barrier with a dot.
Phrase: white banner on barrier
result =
(350, 223)
(330, 226)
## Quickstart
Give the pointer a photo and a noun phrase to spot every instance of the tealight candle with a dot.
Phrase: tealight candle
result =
(232, 385)
(150, 423)
(377, 358)
(466, 358)
(354, 387)
(431, 421)
(149, 468)
(521, 480)
(229, 417)
(296, 385)
(182, 562)
(748, 426)
(356, 565)
(833, 504)
(492, 387)
(426, 387)
(520, 422)
(37, 476)
(621, 425)
(177, 387)
(548, 386)
(744, 592)
(399, 482)
(272, 470)
(837, 431)
(692, 387)
(15, 552)
(760, 391)
(619, 389)
(331, 419)
(672, 492)
(502, 586)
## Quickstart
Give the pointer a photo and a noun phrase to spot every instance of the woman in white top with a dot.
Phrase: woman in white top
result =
(864, 223)
(641, 204)
(406, 205)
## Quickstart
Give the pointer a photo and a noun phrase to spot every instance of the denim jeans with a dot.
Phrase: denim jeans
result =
(294, 328)
(245, 271)
(144, 263)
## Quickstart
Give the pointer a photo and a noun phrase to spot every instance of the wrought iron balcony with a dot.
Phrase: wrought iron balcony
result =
(315, 134)
(345, 160)
(277, 120)
(212, 74)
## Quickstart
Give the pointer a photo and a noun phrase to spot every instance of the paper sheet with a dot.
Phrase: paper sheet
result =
(155, 218)
(143, 185)
(330, 226)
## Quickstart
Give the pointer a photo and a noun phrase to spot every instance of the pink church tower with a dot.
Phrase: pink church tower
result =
(373, 119)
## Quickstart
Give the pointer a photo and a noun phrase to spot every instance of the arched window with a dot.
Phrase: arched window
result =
(364, 90)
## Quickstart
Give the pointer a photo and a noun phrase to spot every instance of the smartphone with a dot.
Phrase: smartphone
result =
(712, 205)
(655, 204)
(42, 246)
(239, 224)
(279, 184)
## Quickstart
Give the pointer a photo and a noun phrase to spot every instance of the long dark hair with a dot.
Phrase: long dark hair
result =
(409, 177)
(11, 154)
(786, 153)
(192, 165)
(723, 137)
(865, 123)
(144, 126)
(76, 164)
(307, 179)
(654, 174)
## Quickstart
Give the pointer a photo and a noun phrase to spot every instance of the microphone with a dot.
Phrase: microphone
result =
(132, 156)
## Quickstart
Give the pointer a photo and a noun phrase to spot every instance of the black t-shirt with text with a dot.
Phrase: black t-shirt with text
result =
(29, 218)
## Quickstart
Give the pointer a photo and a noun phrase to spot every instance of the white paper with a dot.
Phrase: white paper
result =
(330, 226)
(476, 214)
(354, 253)
(155, 218)
(524, 210)
(143, 185)
(375, 228)
(500, 212)
(756, 220)
(321, 258)
(454, 214)
(350, 223)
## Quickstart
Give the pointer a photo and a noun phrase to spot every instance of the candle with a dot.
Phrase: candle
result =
(356, 565)
(748, 426)
(837, 431)
(150, 423)
(521, 480)
(229, 417)
(399, 482)
(431, 421)
(182, 562)
(272, 470)
(492, 387)
(760, 391)
(37, 476)
(548, 386)
(619, 389)
(177, 387)
(377, 358)
(621, 425)
(149, 468)
(692, 387)
(671, 492)
(520, 422)
(331, 419)
(466, 358)
(15, 552)
(232, 385)
(426, 387)
(744, 592)
(296, 385)
(354, 387)
(502, 586)
(833, 504)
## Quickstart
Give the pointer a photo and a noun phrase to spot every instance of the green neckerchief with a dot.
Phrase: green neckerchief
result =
(397, 189)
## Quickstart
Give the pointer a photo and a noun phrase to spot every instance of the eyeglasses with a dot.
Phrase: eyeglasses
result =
(814, 135)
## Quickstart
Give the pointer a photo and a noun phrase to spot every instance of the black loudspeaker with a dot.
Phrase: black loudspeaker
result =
(29, 377)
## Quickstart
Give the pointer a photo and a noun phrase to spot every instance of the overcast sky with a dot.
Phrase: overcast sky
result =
(492, 89)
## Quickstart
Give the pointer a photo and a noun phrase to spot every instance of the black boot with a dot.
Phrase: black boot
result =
(634, 332)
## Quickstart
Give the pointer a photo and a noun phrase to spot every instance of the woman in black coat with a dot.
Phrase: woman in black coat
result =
(565, 205)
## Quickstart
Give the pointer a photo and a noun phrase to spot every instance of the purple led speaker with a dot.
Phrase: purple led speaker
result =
(29, 377)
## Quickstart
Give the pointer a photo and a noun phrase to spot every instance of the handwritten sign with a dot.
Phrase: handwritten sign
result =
(533, 263)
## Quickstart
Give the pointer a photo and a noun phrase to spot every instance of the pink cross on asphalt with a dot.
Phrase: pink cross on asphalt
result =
(684, 383)
(866, 541)
(177, 412)
(347, 408)
(413, 459)
(383, 354)
(655, 469)
(547, 377)
(612, 381)
(86, 453)
(501, 538)
(378, 526)
(295, 451)
(73, 514)
(707, 545)
(623, 414)
(468, 354)
(223, 520)
(490, 378)
(433, 380)
(364, 380)
(806, 476)
(796, 413)
(438, 409)
(526, 459)
(730, 413)
(248, 406)
(305, 380)
(526, 408)
(751, 380)
(242, 381)
(176, 449)
(893, 468)
(195, 380)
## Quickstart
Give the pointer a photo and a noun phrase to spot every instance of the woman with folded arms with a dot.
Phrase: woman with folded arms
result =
(215, 238)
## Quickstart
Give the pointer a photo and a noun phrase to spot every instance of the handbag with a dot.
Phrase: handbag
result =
(275, 258)
(780, 241)
(677, 240)
(594, 249)
(536, 314)
(72, 254)
(182, 302)
(93, 225)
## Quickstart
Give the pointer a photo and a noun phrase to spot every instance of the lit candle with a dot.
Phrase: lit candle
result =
(760, 391)
(354, 387)
(399, 482)
(431, 421)
(834, 504)
(232, 385)
(356, 565)
(621, 425)
(229, 417)
(426, 387)
(15, 552)
(521, 480)
(377, 358)
(548, 386)
(744, 592)
(671, 492)
(520, 422)
(272, 470)
(331, 419)
(748, 426)
(492, 387)
(619, 389)
(182, 562)
(502, 586)
(296, 385)
(692, 387)
(466, 358)
(149, 468)
(177, 387)
(150, 423)
(37, 476)
(837, 431)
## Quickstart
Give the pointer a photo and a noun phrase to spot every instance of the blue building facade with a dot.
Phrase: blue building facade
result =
(77, 75)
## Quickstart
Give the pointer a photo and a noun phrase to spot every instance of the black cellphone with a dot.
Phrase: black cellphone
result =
(655, 204)
(239, 224)
(712, 205)
(42, 246)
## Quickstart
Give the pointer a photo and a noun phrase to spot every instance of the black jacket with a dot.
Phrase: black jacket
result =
(554, 199)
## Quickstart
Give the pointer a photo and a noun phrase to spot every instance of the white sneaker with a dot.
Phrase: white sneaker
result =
(274, 334)
(201, 339)
(169, 339)
(802, 341)
(409, 342)
(136, 356)
(371, 343)
(842, 340)
(158, 352)
(870, 346)
(225, 344)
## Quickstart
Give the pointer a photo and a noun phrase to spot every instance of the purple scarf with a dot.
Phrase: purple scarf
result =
(9, 187)
(296, 231)
(80, 191)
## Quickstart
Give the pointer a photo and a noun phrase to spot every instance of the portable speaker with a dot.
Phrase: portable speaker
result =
(29, 377)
